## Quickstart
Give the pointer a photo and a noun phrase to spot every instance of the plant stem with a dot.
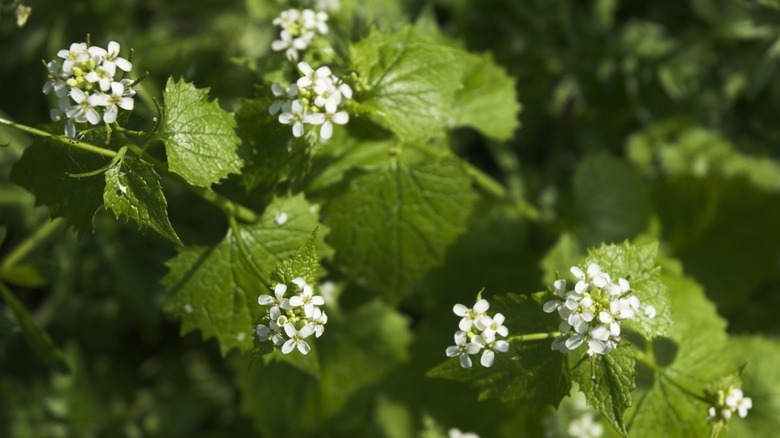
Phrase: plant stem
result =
(534, 337)
(60, 138)
(30, 243)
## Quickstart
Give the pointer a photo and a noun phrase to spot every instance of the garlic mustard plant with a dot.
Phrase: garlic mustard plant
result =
(290, 321)
(89, 86)
(478, 332)
(591, 313)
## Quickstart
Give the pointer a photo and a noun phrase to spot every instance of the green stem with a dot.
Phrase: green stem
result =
(643, 358)
(60, 138)
(245, 253)
(30, 243)
(534, 337)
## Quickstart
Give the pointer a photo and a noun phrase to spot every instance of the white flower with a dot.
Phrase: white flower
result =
(76, 53)
(114, 101)
(310, 76)
(84, 110)
(463, 349)
(306, 298)
(296, 338)
(101, 76)
(470, 315)
(318, 319)
(491, 346)
(329, 118)
(287, 18)
(278, 298)
(492, 326)
(112, 60)
(736, 400)
(283, 98)
(315, 20)
(294, 117)
(56, 80)
(290, 45)
(584, 280)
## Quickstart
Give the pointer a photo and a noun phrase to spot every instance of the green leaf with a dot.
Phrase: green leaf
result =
(612, 200)
(693, 356)
(760, 382)
(304, 264)
(607, 381)
(43, 170)
(487, 102)
(638, 264)
(133, 191)
(39, 340)
(270, 152)
(411, 81)
(530, 373)
(215, 289)
(395, 224)
(199, 136)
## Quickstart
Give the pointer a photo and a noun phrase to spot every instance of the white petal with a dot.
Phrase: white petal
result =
(465, 361)
(597, 346)
(290, 330)
(460, 338)
(305, 68)
(573, 342)
(264, 300)
(465, 324)
(594, 269)
(296, 301)
(126, 103)
(288, 346)
(577, 272)
(340, 118)
(502, 346)
(481, 306)
(460, 310)
(300, 282)
(306, 331)
(318, 300)
(453, 351)
(550, 306)
(123, 64)
(77, 95)
(326, 131)
(314, 118)
(503, 331)
(488, 356)
(298, 129)
(110, 115)
(92, 116)
(472, 348)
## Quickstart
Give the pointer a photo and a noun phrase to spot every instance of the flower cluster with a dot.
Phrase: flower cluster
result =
(299, 29)
(87, 85)
(297, 317)
(315, 99)
(728, 402)
(593, 312)
(478, 331)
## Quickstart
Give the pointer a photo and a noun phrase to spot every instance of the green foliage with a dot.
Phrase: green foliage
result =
(133, 191)
(402, 218)
(199, 136)
(417, 86)
(215, 289)
(45, 168)
(760, 382)
(607, 381)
